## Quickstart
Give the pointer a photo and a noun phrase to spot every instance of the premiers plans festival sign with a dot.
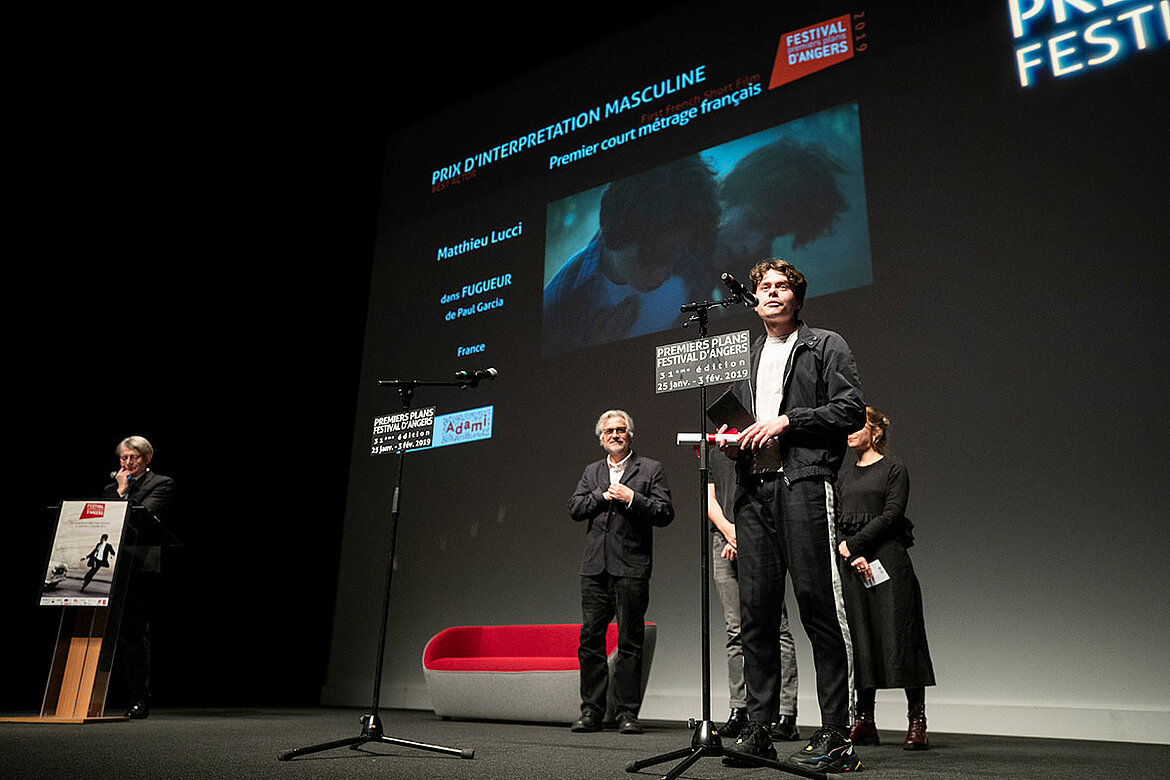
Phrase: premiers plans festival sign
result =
(418, 429)
(713, 360)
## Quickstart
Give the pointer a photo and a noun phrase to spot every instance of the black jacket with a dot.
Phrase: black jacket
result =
(823, 401)
(154, 493)
(620, 539)
(100, 557)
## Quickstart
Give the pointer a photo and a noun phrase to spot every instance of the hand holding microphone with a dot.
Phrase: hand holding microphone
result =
(122, 478)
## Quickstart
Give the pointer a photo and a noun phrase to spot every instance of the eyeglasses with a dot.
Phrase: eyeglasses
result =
(619, 430)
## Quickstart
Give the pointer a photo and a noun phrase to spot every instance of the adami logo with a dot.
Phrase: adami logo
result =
(93, 509)
(813, 48)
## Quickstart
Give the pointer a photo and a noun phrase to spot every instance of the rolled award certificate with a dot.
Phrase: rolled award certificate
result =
(712, 438)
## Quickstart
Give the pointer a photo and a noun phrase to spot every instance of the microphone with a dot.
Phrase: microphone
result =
(113, 474)
(473, 377)
(745, 295)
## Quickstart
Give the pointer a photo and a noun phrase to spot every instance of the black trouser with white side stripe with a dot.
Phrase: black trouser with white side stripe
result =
(783, 530)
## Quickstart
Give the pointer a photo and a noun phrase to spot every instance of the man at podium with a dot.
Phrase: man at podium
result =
(148, 493)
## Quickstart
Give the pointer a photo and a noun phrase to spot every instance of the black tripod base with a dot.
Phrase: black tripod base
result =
(372, 733)
(705, 743)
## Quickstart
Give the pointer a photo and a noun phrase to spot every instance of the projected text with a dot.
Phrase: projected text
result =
(1056, 38)
(639, 97)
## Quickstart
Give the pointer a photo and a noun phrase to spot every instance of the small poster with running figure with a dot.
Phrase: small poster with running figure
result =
(84, 556)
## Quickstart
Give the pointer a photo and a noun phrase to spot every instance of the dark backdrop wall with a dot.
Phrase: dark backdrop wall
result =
(197, 214)
(1017, 241)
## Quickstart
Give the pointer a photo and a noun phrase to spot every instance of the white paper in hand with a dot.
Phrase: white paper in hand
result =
(878, 574)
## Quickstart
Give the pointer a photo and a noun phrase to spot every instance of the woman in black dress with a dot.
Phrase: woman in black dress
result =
(885, 618)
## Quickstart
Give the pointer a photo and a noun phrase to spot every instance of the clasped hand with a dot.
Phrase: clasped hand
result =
(619, 492)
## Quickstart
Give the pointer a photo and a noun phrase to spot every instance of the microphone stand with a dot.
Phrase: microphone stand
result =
(705, 741)
(372, 723)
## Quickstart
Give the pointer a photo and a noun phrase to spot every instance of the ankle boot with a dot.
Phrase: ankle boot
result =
(735, 724)
(864, 731)
(916, 733)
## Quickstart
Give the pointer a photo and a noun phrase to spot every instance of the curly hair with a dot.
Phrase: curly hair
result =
(795, 278)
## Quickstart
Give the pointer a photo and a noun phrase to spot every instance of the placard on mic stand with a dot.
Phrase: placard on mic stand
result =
(79, 672)
(684, 366)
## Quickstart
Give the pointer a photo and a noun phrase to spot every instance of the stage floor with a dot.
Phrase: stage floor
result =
(246, 743)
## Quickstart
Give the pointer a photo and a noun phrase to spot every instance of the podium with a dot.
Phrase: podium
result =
(91, 606)
(79, 675)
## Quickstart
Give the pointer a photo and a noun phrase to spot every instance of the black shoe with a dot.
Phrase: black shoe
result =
(784, 729)
(628, 724)
(829, 750)
(139, 710)
(734, 724)
(754, 739)
(589, 721)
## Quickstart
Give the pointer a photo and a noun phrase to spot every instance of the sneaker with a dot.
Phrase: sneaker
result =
(828, 751)
(754, 739)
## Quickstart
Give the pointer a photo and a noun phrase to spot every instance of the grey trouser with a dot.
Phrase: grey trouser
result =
(727, 585)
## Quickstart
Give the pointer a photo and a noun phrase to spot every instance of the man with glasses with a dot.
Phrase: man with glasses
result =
(621, 498)
(135, 483)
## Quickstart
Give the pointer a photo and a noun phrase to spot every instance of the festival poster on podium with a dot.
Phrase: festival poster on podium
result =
(85, 553)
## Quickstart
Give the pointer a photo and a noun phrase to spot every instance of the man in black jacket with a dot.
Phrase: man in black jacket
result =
(621, 497)
(153, 494)
(805, 394)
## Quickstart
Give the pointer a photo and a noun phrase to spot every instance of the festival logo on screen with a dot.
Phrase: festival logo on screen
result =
(1055, 38)
(812, 48)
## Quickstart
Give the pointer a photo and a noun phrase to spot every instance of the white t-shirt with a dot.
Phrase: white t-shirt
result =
(770, 375)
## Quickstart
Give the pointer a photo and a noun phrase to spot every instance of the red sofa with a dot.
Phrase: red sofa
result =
(517, 672)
